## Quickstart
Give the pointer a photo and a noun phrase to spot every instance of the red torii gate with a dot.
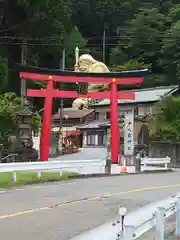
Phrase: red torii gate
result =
(51, 76)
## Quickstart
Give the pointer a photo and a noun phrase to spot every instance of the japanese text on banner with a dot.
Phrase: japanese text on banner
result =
(128, 133)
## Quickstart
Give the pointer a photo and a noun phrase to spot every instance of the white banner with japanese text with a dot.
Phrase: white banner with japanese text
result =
(128, 132)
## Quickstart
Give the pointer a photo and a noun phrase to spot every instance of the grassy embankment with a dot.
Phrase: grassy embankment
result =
(24, 178)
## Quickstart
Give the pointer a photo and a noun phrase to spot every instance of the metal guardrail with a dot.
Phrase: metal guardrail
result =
(135, 224)
(153, 215)
(78, 166)
(147, 162)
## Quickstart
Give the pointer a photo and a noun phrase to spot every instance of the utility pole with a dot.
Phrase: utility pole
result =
(104, 45)
(63, 59)
(23, 62)
(76, 59)
(62, 66)
(62, 102)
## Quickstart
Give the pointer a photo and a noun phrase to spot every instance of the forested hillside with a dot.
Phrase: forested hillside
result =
(137, 34)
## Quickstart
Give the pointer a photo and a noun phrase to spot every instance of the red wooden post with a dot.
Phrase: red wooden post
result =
(114, 123)
(47, 120)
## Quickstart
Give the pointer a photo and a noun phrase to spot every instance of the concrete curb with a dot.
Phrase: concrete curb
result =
(158, 171)
(98, 175)
(87, 176)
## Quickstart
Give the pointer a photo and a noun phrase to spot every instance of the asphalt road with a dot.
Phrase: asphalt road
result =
(84, 154)
(61, 211)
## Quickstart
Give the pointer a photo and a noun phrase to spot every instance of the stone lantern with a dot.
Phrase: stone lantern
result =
(25, 150)
(25, 120)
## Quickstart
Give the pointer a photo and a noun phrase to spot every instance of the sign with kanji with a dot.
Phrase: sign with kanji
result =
(129, 133)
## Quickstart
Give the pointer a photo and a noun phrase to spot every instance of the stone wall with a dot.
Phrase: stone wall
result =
(164, 149)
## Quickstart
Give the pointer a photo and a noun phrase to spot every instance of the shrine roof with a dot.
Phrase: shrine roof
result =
(33, 69)
(121, 120)
(96, 124)
(93, 124)
(144, 95)
(73, 113)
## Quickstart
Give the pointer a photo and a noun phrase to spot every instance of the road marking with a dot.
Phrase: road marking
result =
(19, 189)
(2, 192)
(86, 200)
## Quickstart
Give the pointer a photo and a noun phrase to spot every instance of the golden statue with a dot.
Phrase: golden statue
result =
(86, 63)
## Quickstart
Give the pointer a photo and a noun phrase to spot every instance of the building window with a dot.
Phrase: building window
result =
(101, 139)
(90, 139)
(107, 115)
(96, 115)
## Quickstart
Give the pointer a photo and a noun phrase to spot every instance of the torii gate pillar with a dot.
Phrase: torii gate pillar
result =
(115, 136)
(47, 120)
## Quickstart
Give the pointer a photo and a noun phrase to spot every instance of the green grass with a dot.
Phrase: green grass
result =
(24, 178)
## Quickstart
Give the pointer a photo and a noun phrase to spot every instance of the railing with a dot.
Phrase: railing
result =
(78, 166)
(135, 224)
(152, 216)
(148, 162)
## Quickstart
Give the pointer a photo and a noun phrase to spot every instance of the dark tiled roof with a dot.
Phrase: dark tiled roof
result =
(121, 120)
(73, 113)
(104, 123)
(93, 124)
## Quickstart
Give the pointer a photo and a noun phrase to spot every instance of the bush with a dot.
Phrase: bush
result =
(9, 107)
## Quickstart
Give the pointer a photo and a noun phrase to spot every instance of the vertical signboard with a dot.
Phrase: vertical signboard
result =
(128, 132)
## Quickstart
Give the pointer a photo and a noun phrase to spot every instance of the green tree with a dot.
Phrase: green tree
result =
(93, 16)
(75, 39)
(147, 29)
(143, 31)
(9, 107)
(116, 56)
(171, 53)
(42, 24)
(174, 13)
(166, 121)
(170, 49)
(3, 73)
(135, 65)
(130, 65)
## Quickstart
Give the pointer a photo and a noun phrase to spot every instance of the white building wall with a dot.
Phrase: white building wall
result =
(84, 139)
(142, 110)
(96, 139)
(102, 111)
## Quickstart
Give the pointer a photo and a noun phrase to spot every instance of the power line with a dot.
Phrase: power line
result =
(88, 45)
(85, 49)
(88, 38)
(127, 37)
